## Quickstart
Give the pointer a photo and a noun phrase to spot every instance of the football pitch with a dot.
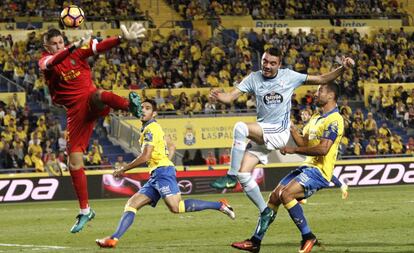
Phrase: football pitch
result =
(373, 219)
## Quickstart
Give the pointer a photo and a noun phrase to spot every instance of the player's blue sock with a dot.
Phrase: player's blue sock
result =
(240, 133)
(252, 190)
(336, 181)
(125, 222)
(296, 213)
(194, 205)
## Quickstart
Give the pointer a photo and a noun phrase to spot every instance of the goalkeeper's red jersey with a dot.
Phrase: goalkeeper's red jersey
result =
(70, 79)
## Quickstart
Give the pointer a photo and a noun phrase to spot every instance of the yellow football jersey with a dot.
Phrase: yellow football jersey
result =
(327, 126)
(152, 134)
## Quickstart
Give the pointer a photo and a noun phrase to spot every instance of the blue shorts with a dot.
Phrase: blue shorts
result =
(162, 183)
(309, 177)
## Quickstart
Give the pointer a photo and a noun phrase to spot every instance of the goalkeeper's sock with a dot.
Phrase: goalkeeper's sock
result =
(114, 101)
(296, 214)
(126, 221)
(194, 205)
(81, 187)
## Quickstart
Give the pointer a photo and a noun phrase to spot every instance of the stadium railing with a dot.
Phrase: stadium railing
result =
(7, 85)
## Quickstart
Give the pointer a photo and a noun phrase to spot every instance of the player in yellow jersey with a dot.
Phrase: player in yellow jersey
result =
(320, 143)
(162, 183)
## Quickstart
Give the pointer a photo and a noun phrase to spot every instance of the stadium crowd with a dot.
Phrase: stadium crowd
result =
(96, 10)
(182, 60)
(287, 9)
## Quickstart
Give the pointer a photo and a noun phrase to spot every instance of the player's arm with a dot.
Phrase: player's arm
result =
(328, 137)
(329, 77)
(225, 97)
(134, 32)
(300, 140)
(142, 158)
(318, 150)
(170, 147)
(49, 61)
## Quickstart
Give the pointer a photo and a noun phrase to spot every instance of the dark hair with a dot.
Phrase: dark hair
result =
(152, 102)
(274, 51)
(333, 87)
(53, 32)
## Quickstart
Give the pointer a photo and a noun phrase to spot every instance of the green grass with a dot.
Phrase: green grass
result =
(374, 219)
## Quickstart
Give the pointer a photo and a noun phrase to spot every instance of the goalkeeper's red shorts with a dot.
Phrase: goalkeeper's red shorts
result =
(81, 120)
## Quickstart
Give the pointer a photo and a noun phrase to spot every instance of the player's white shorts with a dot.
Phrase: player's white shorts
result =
(273, 138)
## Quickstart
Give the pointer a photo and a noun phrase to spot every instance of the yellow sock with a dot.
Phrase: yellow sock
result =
(181, 206)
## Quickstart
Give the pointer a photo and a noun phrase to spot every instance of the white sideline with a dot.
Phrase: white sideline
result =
(32, 246)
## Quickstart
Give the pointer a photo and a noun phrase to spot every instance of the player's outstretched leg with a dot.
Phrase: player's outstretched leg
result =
(126, 221)
(80, 185)
(135, 104)
(240, 133)
(195, 205)
(81, 220)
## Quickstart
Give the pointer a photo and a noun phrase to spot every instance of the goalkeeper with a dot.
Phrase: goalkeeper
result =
(68, 77)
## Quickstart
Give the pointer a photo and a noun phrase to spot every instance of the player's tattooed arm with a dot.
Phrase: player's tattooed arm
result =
(346, 63)
(225, 97)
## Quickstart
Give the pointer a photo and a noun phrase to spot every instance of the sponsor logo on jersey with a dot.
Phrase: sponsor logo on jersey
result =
(273, 98)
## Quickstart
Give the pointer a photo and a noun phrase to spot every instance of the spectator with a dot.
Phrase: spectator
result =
(53, 166)
(384, 130)
(119, 161)
(12, 161)
(98, 146)
(62, 142)
(370, 126)
(198, 158)
(356, 147)
(383, 145)
(186, 161)
(225, 157)
(105, 163)
(211, 158)
(38, 162)
(210, 106)
(396, 144)
(371, 148)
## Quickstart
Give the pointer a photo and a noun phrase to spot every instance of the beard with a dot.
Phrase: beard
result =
(320, 103)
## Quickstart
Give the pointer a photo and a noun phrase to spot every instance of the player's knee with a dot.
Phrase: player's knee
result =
(246, 180)
(285, 196)
(273, 197)
(240, 130)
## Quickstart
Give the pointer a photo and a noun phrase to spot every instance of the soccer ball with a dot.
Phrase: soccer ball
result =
(72, 16)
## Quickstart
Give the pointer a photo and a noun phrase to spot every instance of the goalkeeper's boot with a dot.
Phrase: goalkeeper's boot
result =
(307, 243)
(227, 209)
(247, 245)
(228, 181)
(135, 106)
(107, 242)
(81, 220)
(266, 218)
